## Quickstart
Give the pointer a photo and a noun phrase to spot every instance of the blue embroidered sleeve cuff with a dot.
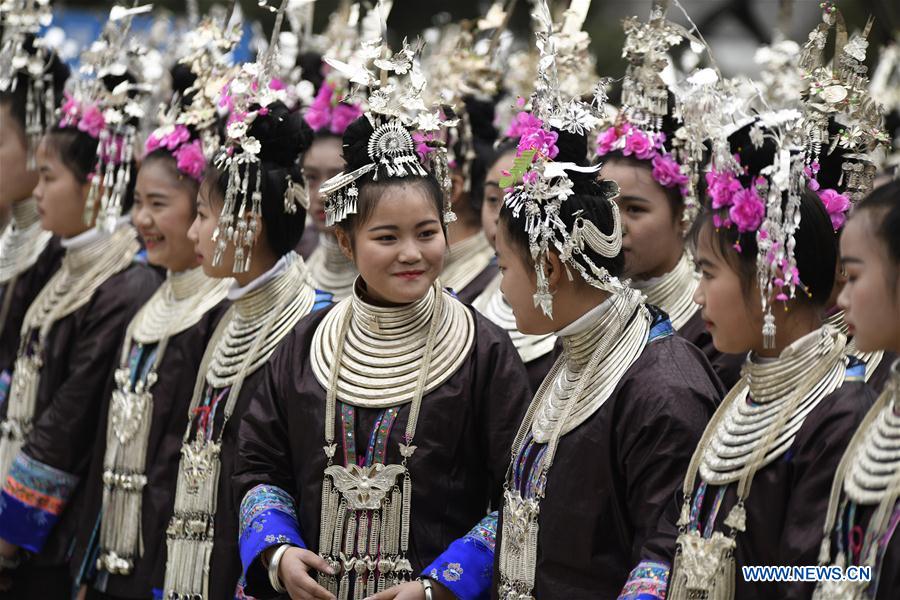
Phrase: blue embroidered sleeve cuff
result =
(34, 496)
(466, 568)
(647, 581)
(268, 518)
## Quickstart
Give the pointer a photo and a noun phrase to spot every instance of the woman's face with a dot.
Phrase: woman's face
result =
(493, 196)
(162, 213)
(201, 232)
(399, 250)
(652, 237)
(734, 322)
(18, 180)
(60, 196)
(321, 162)
(518, 285)
(871, 296)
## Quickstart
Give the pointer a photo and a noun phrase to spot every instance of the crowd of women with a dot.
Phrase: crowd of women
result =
(440, 321)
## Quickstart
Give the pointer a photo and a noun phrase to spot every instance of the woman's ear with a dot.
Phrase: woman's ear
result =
(458, 184)
(554, 269)
(344, 244)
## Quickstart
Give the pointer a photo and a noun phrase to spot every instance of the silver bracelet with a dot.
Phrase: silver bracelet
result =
(273, 568)
(427, 584)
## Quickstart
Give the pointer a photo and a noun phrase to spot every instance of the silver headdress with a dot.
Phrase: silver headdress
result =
(251, 93)
(21, 21)
(210, 45)
(885, 88)
(108, 116)
(395, 109)
(839, 92)
(539, 185)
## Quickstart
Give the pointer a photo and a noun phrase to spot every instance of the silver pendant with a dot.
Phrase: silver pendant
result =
(128, 407)
(198, 462)
(364, 488)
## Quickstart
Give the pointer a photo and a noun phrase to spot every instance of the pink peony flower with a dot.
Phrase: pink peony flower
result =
(70, 106)
(747, 210)
(667, 172)
(530, 177)
(607, 140)
(639, 145)
(276, 84)
(190, 160)
(540, 140)
(837, 206)
(178, 136)
(92, 122)
(153, 143)
(317, 118)
(721, 188)
(342, 116)
(422, 147)
(523, 123)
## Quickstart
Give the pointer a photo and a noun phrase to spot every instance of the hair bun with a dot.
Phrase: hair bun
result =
(356, 143)
(481, 119)
(572, 147)
(283, 135)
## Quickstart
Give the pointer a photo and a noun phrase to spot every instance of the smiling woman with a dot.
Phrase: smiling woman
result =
(432, 386)
(164, 207)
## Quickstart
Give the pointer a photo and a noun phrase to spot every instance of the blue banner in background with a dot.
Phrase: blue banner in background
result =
(74, 29)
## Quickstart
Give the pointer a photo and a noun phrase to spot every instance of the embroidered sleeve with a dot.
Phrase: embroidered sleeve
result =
(33, 498)
(466, 567)
(267, 518)
(647, 581)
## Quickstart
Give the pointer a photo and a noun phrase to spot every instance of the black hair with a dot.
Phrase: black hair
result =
(882, 207)
(311, 64)
(183, 78)
(589, 202)
(480, 116)
(283, 136)
(16, 99)
(816, 249)
(356, 155)
(78, 151)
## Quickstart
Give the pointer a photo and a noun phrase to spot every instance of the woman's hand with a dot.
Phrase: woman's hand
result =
(414, 590)
(294, 574)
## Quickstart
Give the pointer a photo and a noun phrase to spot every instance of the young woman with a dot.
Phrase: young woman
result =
(651, 190)
(863, 510)
(130, 488)
(250, 236)
(625, 392)
(328, 117)
(537, 351)
(70, 339)
(757, 487)
(28, 255)
(411, 395)
(830, 187)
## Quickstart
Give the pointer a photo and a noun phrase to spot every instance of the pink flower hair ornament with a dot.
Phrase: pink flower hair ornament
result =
(328, 112)
(176, 140)
(82, 116)
(643, 145)
(836, 203)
